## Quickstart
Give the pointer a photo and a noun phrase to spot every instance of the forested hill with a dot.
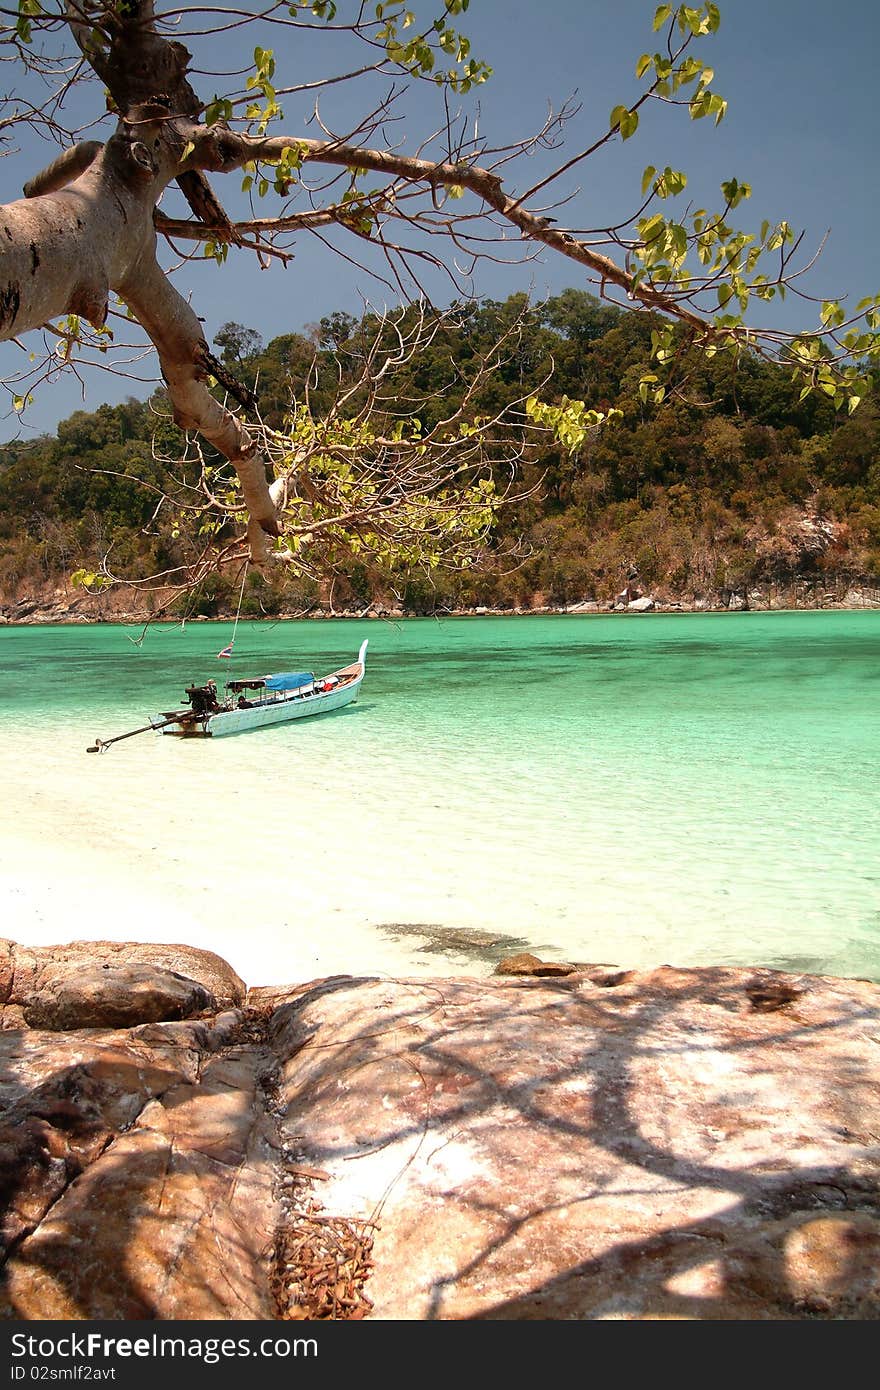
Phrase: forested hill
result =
(740, 491)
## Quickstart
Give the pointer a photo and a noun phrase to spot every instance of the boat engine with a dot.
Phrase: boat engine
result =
(203, 699)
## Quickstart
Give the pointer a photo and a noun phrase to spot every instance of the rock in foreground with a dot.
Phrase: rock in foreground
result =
(605, 1144)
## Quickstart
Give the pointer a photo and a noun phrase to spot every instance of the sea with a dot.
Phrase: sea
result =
(633, 789)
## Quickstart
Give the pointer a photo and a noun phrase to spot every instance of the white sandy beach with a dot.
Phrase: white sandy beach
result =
(274, 920)
(53, 894)
(156, 841)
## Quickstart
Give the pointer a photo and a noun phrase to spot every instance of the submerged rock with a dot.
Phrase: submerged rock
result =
(606, 1144)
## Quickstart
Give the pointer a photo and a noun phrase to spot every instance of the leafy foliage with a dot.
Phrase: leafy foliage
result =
(725, 484)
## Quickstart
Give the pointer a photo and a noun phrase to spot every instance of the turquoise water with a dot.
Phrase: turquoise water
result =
(685, 789)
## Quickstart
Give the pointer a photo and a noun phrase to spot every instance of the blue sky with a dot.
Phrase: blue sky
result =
(801, 127)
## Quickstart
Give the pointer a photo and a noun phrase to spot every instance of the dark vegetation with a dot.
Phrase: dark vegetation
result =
(738, 485)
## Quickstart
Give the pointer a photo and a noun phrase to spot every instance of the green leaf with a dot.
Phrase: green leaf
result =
(734, 191)
(652, 228)
(629, 124)
(699, 105)
(220, 109)
(647, 178)
(661, 14)
(832, 315)
(670, 182)
(643, 64)
(690, 19)
(27, 9)
(617, 115)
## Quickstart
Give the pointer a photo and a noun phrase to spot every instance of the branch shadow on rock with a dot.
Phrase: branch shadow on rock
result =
(670, 1149)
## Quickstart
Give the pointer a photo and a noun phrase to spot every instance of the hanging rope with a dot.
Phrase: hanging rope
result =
(227, 651)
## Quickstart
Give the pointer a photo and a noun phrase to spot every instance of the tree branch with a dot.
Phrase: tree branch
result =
(223, 151)
(186, 363)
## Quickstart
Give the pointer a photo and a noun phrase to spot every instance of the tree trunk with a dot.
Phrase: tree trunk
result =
(63, 250)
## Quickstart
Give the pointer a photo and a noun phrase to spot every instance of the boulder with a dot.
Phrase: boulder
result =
(861, 598)
(607, 1143)
(566, 1149)
(527, 964)
(7, 970)
(27, 970)
(641, 605)
(138, 1178)
(115, 996)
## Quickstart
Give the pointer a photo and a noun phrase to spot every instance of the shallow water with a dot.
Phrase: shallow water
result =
(632, 789)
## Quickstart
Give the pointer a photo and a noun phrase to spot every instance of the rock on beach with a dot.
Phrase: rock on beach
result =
(599, 1144)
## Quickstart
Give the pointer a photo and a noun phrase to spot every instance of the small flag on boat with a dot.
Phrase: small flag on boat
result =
(227, 651)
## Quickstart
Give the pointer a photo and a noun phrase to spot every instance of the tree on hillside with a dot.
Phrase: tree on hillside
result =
(85, 236)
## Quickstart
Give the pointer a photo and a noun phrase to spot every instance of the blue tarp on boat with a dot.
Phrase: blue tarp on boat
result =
(288, 680)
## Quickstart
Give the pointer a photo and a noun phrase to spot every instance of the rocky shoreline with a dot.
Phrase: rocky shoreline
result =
(555, 1142)
(104, 608)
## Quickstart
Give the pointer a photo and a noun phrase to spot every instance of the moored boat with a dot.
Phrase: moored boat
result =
(253, 704)
(263, 701)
